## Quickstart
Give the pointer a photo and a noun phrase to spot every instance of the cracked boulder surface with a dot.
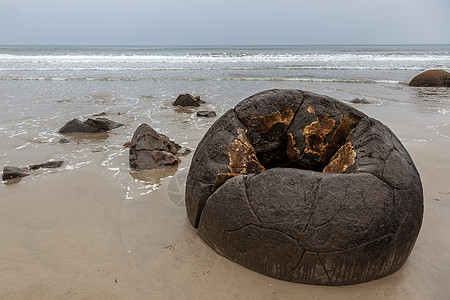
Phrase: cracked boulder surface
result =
(301, 187)
(151, 150)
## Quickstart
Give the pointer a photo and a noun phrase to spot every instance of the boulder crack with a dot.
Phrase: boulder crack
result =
(295, 113)
(313, 206)
(324, 269)
(355, 247)
(248, 199)
(242, 227)
(298, 263)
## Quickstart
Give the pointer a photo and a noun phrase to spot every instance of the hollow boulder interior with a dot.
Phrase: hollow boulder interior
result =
(301, 140)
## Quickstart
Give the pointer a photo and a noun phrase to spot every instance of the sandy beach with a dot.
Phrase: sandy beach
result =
(74, 235)
(94, 229)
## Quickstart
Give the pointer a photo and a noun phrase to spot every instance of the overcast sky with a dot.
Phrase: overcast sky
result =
(211, 22)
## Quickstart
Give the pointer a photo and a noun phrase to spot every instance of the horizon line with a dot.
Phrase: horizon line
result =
(231, 45)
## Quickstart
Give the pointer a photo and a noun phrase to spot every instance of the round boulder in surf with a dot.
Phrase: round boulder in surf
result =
(431, 78)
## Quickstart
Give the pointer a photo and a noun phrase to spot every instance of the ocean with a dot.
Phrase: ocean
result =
(43, 87)
(96, 229)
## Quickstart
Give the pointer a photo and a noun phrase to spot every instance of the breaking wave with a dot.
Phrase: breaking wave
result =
(222, 58)
(299, 79)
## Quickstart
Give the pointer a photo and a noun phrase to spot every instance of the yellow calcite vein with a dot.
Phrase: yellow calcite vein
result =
(263, 124)
(342, 160)
(242, 158)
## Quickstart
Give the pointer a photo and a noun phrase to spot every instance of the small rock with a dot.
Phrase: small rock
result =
(63, 141)
(360, 101)
(186, 100)
(184, 151)
(199, 100)
(10, 172)
(206, 113)
(127, 144)
(89, 126)
(99, 149)
(100, 114)
(49, 164)
(151, 150)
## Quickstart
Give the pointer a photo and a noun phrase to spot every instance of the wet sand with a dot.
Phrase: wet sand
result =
(74, 235)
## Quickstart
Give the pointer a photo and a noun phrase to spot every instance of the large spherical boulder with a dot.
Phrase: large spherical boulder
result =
(432, 78)
(304, 188)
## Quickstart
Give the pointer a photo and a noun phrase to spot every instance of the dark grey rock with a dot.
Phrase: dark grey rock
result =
(340, 203)
(206, 113)
(49, 164)
(63, 141)
(186, 100)
(150, 150)
(184, 151)
(200, 101)
(431, 78)
(360, 101)
(89, 126)
(10, 172)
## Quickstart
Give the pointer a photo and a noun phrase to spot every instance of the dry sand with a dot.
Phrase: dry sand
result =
(74, 235)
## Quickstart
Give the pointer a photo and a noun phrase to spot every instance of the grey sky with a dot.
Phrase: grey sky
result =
(170, 22)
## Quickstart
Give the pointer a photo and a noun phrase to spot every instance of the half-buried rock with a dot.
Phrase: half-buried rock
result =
(187, 100)
(89, 126)
(10, 172)
(50, 164)
(304, 188)
(206, 113)
(151, 150)
(432, 78)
